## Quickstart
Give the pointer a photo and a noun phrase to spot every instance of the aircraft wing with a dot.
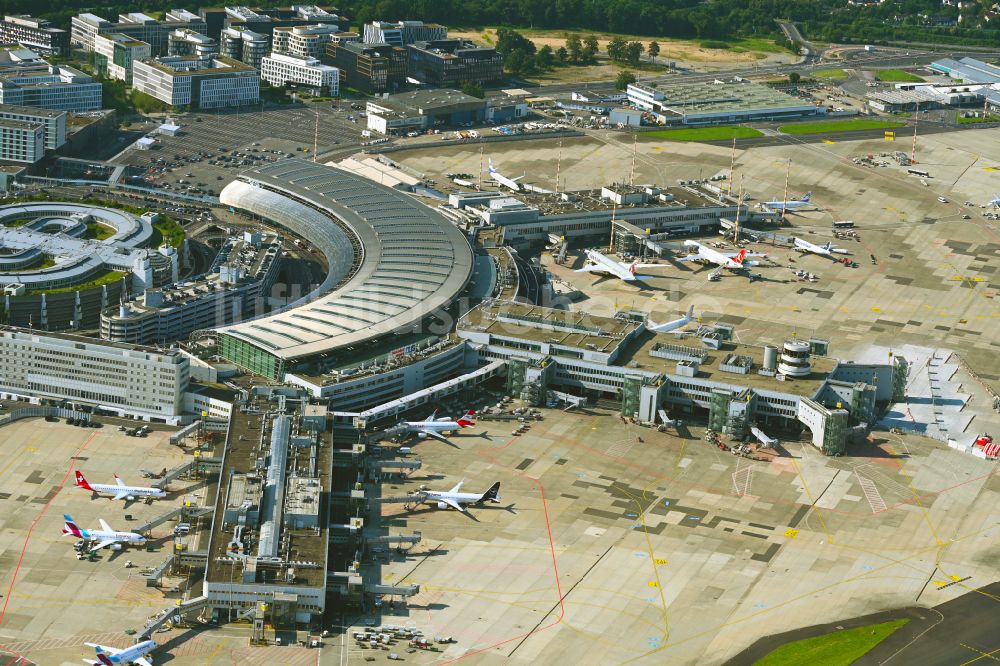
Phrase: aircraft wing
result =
(452, 503)
(689, 257)
(457, 487)
(121, 494)
(436, 435)
(649, 265)
(104, 648)
(121, 484)
(590, 268)
(105, 526)
(105, 544)
(142, 661)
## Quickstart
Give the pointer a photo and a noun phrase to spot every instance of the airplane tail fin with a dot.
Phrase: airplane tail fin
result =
(829, 246)
(631, 267)
(806, 196)
(102, 657)
(690, 313)
(81, 481)
(741, 256)
(466, 421)
(492, 168)
(491, 495)
(71, 528)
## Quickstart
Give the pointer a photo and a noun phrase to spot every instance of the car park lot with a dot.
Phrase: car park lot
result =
(53, 601)
(615, 543)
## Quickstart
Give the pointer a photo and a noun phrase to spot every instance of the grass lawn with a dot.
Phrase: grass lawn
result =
(166, 231)
(961, 120)
(14, 224)
(840, 648)
(831, 126)
(106, 277)
(837, 74)
(703, 133)
(897, 76)
(98, 231)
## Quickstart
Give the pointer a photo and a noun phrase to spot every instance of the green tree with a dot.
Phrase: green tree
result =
(794, 78)
(473, 89)
(633, 52)
(562, 55)
(511, 40)
(624, 78)
(545, 57)
(590, 49)
(574, 47)
(616, 48)
(653, 50)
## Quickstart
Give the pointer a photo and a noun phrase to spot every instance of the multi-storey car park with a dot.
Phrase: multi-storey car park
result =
(396, 267)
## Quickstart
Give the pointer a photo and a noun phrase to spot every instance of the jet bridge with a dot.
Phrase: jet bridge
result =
(210, 465)
(170, 615)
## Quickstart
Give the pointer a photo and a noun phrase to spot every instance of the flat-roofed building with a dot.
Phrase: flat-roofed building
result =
(124, 379)
(245, 45)
(53, 122)
(115, 53)
(401, 33)
(27, 80)
(188, 42)
(304, 41)
(421, 109)
(203, 83)
(371, 68)
(34, 33)
(21, 141)
(451, 62)
(86, 27)
(707, 103)
(279, 69)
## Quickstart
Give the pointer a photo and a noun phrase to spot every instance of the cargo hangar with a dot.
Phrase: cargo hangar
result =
(411, 312)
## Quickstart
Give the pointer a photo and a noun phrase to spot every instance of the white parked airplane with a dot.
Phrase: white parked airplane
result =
(789, 205)
(504, 180)
(827, 250)
(104, 536)
(671, 325)
(456, 500)
(109, 656)
(119, 490)
(434, 427)
(733, 261)
(602, 263)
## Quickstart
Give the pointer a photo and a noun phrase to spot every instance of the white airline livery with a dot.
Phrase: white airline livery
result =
(434, 427)
(120, 491)
(601, 263)
(672, 325)
(733, 261)
(789, 205)
(504, 180)
(456, 500)
(827, 250)
(109, 656)
(104, 536)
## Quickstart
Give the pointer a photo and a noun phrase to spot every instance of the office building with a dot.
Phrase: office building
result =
(279, 70)
(451, 62)
(370, 68)
(304, 41)
(33, 33)
(27, 80)
(202, 83)
(717, 102)
(86, 27)
(123, 379)
(421, 109)
(186, 42)
(114, 54)
(402, 33)
(245, 45)
(53, 122)
(21, 141)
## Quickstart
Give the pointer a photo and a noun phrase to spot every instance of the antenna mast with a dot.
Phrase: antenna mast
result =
(732, 168)
(784, 197)
(558, 166)
(631, 175)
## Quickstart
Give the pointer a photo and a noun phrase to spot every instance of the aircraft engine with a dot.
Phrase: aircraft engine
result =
(115, 546)
(442, 505)
(421, 435)
(130, 498)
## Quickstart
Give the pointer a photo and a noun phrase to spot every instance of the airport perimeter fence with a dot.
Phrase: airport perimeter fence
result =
(38, 411)
(559, 134)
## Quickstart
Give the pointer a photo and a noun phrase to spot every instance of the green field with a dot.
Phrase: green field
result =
(897, 76)
(102, 278)
(832, 126)
(840, 648)
(704, 133)
(837, 74)
(98, 231)
(166, 231)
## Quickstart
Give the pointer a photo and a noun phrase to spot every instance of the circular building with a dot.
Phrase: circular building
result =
(396, 267)
(61, 263)
(795, 358)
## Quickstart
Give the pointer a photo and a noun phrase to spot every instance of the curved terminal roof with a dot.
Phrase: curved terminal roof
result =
(393, 261)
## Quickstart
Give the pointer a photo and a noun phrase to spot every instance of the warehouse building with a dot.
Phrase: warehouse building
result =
(28, 80)
(279, 69)
(968, 70)
(33, 33)
(202, 83)
(449, 63)
(115, 54)
(402, 33)
(120, 379)
(86, 27)
(717, 102)
(370, 68)
(244, 45)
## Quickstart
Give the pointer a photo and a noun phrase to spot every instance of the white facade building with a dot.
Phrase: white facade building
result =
(21, 141)
(402, 33)
(116, 53)
(204, 83)
(279, 69)
(58, 87)
(53, 122)
(304, 41)
(125, 379)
